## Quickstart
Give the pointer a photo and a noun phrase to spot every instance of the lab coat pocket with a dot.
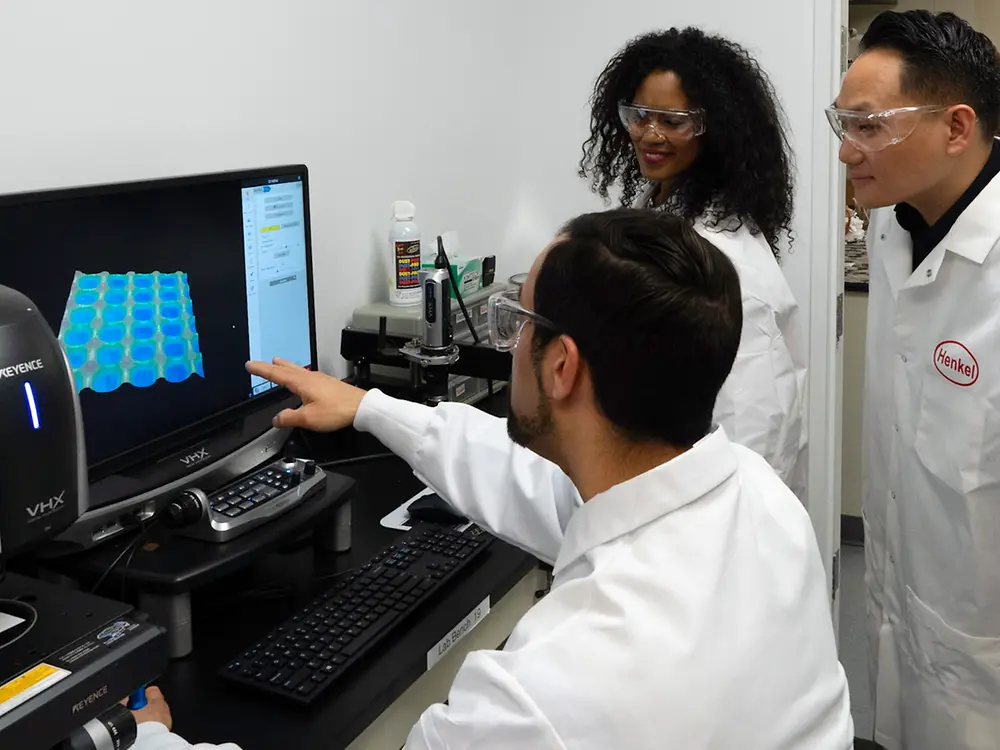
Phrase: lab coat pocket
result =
(964, 665)
(953, 433)
(954, 689)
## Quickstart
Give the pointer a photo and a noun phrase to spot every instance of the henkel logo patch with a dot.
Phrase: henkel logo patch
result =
(958, 365)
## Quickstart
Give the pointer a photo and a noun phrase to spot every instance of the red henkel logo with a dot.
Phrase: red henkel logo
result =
(956, 363)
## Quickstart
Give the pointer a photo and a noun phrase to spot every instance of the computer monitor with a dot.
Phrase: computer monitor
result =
(160, 291)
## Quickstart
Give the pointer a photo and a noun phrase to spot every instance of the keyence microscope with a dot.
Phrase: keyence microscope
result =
(66, 658)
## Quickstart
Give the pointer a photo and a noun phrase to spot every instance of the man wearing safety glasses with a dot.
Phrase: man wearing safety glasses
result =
(689, 605)
(917, 114)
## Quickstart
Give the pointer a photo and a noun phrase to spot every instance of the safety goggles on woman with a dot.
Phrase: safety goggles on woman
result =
(673, 124)
(507, 316)
(876, 131)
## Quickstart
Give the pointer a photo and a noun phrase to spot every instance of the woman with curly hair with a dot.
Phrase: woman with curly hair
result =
(687, 122)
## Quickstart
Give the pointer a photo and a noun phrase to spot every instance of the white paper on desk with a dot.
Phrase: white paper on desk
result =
(399, 519)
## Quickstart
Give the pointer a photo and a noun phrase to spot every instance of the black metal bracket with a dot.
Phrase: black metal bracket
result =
(366, 348)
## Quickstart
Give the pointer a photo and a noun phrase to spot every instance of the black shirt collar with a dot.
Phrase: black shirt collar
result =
(925, 238)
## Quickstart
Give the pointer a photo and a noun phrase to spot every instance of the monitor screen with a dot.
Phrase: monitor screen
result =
(160, 291)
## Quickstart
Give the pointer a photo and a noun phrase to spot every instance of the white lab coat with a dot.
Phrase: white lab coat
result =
(932, 483)
(762, 404)
(688, 607)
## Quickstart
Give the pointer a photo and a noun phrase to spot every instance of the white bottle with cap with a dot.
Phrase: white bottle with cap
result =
(404, 256)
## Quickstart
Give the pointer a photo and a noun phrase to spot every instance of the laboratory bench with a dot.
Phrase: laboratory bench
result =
(232, 614)
(380, 698)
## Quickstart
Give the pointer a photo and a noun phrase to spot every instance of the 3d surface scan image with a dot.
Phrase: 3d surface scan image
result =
(130, 328)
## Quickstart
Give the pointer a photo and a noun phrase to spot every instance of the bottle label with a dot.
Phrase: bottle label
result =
(407, 264)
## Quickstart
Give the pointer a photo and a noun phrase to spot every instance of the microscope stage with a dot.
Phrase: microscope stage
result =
(82, 654)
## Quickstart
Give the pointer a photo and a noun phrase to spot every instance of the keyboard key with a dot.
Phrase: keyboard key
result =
(408, 585)
(399, 580)
(297, 679)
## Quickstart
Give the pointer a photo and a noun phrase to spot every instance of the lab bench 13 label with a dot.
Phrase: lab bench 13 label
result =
(457, 633)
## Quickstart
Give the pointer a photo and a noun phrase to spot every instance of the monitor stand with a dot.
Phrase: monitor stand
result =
(121, 502)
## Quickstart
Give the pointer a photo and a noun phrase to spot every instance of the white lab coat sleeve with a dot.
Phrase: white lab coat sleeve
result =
(466, 456)
(153, 735)
(488, 709)
(760, 404)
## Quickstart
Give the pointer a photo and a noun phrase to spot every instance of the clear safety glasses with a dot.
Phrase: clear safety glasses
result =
(672, 124)
(877, 131)
(507, 317)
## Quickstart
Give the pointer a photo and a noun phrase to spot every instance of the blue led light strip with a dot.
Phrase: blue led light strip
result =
(31, 405)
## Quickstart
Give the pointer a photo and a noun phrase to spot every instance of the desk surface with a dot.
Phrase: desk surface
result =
(230, 614)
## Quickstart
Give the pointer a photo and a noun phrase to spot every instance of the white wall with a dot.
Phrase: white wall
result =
(475, 111)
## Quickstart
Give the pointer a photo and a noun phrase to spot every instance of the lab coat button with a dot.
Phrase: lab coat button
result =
(929, 273)
(902, 357)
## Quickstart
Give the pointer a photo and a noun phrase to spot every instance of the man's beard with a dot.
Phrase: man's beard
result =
(526, 430)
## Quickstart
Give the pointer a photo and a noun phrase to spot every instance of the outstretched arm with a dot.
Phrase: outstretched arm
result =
(462, 453)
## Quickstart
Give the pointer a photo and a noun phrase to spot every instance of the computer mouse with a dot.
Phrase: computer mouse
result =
(434, 509)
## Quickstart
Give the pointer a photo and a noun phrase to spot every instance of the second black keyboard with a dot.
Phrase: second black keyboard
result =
(306, 655)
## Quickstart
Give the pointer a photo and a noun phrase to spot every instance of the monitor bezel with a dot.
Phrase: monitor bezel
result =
(168, 443)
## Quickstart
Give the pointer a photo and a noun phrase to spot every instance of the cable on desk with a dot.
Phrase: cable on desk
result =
(129, 548)
(135, 546)
(32, 613)
(355, 460)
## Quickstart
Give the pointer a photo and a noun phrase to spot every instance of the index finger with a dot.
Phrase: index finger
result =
(289, 377)
(281, 362)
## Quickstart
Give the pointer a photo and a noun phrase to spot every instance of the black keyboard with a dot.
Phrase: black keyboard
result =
(305, 656)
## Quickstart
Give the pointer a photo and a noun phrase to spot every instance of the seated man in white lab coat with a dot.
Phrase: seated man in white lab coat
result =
(689, 608)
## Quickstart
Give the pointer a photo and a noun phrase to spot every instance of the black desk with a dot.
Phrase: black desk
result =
(233, 612)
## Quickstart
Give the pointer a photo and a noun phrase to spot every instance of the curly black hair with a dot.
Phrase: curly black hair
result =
(744, 171)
